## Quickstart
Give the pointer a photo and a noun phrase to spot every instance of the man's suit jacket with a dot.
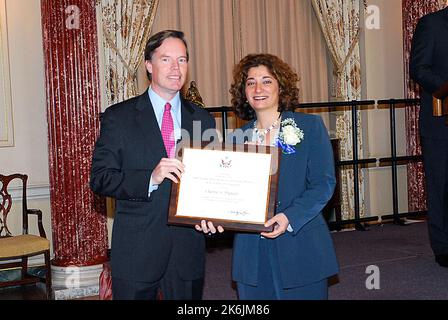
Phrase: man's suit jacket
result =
(306, 183)
(429, 68)
(129, 147)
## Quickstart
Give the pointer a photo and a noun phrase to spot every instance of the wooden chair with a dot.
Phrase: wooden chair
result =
(21, 247)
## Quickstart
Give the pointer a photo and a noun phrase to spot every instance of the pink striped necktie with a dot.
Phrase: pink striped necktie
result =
(168, 131)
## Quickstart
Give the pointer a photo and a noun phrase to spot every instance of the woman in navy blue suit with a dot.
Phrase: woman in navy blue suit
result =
(296, 258)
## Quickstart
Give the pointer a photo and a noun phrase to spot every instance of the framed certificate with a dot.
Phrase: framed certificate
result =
(232, 185)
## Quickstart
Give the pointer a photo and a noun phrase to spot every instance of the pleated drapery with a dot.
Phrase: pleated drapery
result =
(340, 24)
(126, 25)
(221, 32)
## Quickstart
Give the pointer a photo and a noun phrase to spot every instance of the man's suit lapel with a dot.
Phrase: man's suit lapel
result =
(187, 117)
(248, 126)
(146, 120)
(446, 17)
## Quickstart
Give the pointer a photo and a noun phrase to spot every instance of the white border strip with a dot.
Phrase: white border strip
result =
(33, 192)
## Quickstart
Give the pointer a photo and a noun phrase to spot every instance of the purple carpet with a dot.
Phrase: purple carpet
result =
(400, 256)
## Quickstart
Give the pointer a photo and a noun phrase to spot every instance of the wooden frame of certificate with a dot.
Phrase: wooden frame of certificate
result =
(232, 185)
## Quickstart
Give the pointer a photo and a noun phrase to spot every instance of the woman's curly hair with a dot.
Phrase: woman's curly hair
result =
(283, 73)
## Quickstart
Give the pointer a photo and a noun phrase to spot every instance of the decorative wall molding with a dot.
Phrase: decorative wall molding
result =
(76, 277)
(33, 192)
(35, 261)
(6, 124)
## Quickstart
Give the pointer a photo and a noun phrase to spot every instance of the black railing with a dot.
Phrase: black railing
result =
(356, 163)
(394, 160)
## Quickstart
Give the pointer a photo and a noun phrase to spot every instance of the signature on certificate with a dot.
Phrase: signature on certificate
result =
(239, 213)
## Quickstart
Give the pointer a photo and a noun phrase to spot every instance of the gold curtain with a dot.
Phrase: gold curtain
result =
(339, 21)
(126, 25)
(206, 25)
(289, 29)
(220, 33)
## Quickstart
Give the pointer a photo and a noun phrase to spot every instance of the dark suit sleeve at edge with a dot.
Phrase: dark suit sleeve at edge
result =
(423, 44)
(207, 122)
(107, 176)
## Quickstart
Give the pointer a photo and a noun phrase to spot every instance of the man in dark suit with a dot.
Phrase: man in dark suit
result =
(429, 68)
(134, 163)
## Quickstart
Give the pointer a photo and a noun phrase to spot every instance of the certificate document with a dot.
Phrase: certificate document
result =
(235, 189)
